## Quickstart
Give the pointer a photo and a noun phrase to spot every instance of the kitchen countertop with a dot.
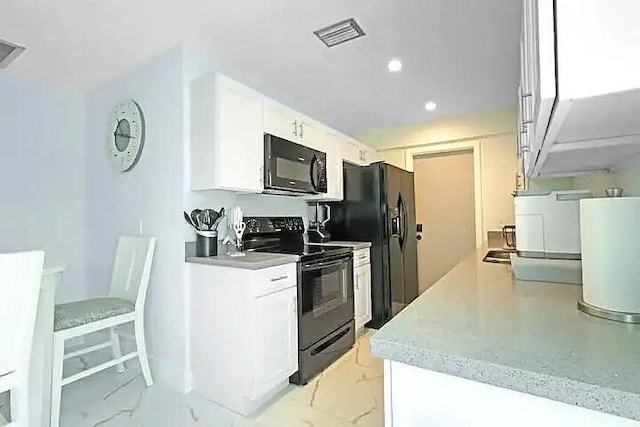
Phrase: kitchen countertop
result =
(355, 245)
(479, 323)
(251, 260)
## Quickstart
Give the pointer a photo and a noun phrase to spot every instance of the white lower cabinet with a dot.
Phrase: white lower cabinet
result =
(244, 333)
(362, 287)
(276, 333)
(419, 397)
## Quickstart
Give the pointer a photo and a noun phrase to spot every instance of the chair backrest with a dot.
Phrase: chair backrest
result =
(20, 280)
(132, 268)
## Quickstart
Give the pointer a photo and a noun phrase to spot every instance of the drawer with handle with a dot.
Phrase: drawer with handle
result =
(361, 257)
(273, 279)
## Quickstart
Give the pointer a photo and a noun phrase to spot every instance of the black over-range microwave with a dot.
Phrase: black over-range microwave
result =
(291, 167)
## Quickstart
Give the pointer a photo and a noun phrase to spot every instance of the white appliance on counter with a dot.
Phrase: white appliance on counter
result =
(610, 231)
(548, 223)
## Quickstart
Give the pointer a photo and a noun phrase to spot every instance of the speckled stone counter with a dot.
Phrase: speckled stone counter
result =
(355, 245)
(251, 260)
(479, 323)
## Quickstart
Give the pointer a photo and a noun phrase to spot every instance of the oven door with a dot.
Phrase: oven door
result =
(293, 167)
(325, 298)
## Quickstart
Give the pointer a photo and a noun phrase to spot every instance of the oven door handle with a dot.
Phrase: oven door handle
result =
(321, 265)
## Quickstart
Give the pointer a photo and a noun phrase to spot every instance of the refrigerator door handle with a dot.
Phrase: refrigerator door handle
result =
(402, 220)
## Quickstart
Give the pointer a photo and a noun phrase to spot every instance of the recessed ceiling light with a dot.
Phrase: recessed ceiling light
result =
(430, 106)
(394, 66)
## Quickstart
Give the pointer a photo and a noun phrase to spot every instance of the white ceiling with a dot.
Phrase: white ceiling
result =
(463, 54)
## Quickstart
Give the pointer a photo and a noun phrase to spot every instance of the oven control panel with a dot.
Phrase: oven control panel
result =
(261, 225)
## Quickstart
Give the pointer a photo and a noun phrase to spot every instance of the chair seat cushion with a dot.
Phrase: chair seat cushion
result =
(80, 313)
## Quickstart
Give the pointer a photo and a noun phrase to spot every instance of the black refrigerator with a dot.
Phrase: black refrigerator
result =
(379, 207)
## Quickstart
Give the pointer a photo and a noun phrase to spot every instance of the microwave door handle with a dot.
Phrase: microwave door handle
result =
(312, 172)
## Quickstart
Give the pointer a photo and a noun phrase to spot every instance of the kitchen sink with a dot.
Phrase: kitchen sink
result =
(498, 256)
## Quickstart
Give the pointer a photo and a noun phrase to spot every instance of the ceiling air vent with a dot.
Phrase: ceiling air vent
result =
(8, 53)
(339, 33)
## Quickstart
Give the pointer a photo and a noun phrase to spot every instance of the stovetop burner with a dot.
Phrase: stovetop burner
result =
(308, 252)
(285, 235)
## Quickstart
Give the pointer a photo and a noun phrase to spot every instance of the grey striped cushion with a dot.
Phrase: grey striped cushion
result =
(79, 313)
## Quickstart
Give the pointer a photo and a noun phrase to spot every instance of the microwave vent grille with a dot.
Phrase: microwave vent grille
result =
(8, 53)
(340, 32)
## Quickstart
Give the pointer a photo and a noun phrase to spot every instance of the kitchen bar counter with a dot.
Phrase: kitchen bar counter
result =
(250, 261)
(479, 323)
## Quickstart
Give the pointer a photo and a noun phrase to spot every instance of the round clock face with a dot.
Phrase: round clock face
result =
(125, 134)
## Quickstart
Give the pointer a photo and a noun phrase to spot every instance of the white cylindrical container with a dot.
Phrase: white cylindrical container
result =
(610, 240)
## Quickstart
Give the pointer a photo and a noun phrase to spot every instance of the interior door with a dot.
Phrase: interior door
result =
(445, 206)
(276, 334)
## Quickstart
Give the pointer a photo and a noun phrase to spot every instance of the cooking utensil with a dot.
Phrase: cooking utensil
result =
(212, 217)
(195, 218)
(189, 221)
(614, 192)
(202, 221)
(221, 215)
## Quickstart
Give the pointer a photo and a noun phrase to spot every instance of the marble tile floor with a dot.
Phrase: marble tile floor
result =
(348, 393)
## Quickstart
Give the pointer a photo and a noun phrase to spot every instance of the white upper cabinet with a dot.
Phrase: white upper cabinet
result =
(228, 123)
(357, 153)
(580, 86)
(227, 149)
(282, 121)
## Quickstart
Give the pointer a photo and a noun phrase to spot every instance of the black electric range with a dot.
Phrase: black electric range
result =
(326, 327)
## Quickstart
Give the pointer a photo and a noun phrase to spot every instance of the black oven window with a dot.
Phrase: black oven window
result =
(292, 170)
(328, 294)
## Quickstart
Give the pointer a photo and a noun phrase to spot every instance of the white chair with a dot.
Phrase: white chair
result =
(125, 304)
(20, 278)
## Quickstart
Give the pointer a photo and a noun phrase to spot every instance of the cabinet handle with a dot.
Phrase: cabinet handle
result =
(301, 129)
(295, 127)
(261, 175)
(278, 279)
(294, 304)
(362, 257)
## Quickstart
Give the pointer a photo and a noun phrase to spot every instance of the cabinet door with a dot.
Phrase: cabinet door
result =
(312, 134)
(281, 121)
(239, 146)
(332, 147)
(360, 294)
(352, 152)
(368, 155)
(367, 293)
(541, 43)
(276, 339)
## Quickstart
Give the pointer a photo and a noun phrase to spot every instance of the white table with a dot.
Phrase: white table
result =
(40, 369)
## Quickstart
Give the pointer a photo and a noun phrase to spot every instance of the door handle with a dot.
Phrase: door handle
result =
(419, 237)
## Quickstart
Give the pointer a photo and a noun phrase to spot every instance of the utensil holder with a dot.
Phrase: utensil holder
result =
(206, 243)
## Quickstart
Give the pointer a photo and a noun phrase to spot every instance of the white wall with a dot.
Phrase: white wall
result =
(42, 170)
(152, 191)
(499, 169)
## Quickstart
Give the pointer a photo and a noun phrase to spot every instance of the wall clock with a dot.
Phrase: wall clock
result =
(125, 134)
